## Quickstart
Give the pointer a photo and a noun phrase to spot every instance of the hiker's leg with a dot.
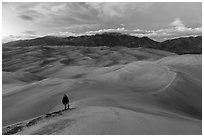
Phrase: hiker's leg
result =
(65, 106)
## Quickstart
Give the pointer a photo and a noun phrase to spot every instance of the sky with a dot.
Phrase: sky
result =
(158, 21)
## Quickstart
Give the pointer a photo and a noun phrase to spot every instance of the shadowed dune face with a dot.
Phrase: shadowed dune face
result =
(139, 87)
(187, 86)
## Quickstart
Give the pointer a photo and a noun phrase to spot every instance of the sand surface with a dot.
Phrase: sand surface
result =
(155, 95)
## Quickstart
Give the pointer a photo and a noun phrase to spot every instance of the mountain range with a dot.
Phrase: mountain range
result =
(184, 45)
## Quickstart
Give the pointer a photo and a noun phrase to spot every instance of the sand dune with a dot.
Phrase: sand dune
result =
(19, 77)
(135, 74)
(113, 121)
(141, 97)
(182, 60)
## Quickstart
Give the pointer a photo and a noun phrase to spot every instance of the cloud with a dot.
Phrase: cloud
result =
(58, 7)
(26, 17)
(106, 30)
(176, 29)
(107, 10)
(77, 12)
(177, 23)
(64, 34)
(79, 27)
(155, 20)
(27, 11)
(18, 37)
(23, 35)
(30, 32)
(55, 14)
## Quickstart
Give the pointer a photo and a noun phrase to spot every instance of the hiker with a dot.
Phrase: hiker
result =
(65, 101)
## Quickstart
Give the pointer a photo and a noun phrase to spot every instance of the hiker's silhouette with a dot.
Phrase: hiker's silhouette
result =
(65, 101)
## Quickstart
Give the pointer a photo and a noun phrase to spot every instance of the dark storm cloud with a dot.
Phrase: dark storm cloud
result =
(25, 10)
(26, 17)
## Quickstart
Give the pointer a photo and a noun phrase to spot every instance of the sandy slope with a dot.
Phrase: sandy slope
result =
(113, 120)
(142, 97)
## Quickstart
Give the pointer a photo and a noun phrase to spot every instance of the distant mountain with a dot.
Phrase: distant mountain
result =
(105, 39)
(188, 45)
(185, 45)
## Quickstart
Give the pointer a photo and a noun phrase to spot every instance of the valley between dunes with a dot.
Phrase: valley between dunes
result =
(146, 92)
